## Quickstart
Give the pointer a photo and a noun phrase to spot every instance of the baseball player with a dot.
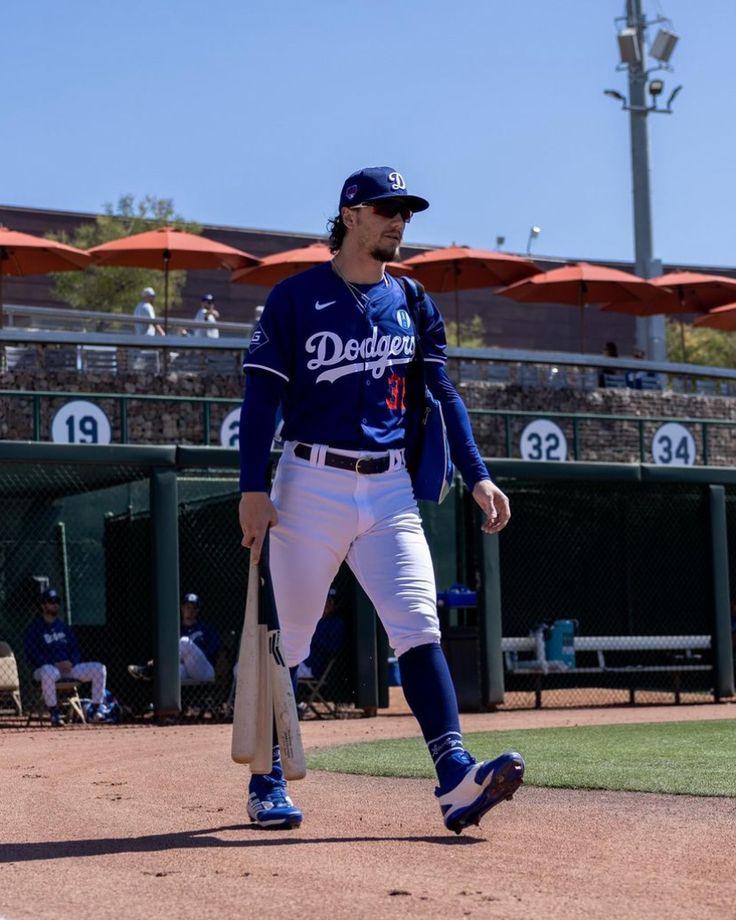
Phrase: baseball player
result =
(332, 348)
(199, 645)
(53, 651)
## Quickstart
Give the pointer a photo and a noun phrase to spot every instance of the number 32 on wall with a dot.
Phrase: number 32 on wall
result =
(80, 422)
(543, 440)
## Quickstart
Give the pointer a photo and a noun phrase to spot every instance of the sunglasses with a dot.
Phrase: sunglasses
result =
(388, 209)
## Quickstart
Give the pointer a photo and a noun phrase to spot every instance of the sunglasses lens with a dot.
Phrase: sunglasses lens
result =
(390, 211)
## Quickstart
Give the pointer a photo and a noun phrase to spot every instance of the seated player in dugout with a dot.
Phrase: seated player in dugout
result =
(199, 645)
(333, 347)
(327, 642)
(53, 652)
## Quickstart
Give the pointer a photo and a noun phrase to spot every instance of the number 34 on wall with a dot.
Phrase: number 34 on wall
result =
(80, 422)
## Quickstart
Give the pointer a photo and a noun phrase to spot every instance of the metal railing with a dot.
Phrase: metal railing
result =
(122, 400)
(49, 326)
(507, 419)
(578, 419)
(31, 320)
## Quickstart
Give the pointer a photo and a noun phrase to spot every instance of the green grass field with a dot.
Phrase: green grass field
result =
(689, 758)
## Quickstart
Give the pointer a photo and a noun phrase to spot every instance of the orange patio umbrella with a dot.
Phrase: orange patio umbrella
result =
(455, 268)
(280, 265)
(723, 318)
(23, 254)
(683, 292)
(579, 285)
(169, 249)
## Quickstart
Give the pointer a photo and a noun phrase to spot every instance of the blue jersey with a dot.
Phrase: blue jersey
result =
(205, 636)
(343, 352)
(47, 643)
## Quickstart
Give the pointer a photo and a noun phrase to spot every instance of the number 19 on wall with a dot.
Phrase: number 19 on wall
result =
(80, 422)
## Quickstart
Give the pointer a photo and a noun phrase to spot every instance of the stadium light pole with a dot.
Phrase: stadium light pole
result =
(650, 331)
(533, 234)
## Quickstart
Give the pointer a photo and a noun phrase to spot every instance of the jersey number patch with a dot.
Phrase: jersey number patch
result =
(396, 393)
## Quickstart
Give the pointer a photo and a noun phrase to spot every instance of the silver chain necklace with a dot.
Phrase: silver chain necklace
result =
(361, 299)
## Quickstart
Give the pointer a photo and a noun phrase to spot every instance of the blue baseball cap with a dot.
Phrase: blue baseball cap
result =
(191, 599)
(208, 297)
(375, 183)
(50, 595)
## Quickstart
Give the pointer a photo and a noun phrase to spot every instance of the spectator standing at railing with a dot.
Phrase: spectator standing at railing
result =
(144, 309)
(610, 350)
(207, 313)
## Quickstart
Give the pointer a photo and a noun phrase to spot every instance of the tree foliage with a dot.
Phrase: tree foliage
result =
(112, 289)
(471, 333)
(700, 345)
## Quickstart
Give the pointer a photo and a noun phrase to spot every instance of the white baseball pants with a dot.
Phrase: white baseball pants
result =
(193, 663)
(327, 515)
(93, 671)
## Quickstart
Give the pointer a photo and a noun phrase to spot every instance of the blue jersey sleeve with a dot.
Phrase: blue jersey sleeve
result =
(463, 449)
(272, 341)
(263, 393)
(433, 342)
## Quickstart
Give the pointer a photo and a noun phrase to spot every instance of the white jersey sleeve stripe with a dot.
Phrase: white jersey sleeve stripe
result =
(262, 367)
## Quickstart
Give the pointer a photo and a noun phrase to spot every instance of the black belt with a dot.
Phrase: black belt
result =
(356, 464)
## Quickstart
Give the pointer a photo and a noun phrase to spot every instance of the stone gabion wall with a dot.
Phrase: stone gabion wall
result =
(149, 422)
(181, 422)
(601, 440)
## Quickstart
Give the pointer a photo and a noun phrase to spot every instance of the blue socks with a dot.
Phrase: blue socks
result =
(430, 693)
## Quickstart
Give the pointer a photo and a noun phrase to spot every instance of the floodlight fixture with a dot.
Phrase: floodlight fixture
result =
(628, 46)
(663, 45)
(656, 87)
(614, 94)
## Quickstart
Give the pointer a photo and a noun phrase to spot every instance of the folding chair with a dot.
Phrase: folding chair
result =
(9, 684)
(313, 694)
(67, 694)
(196, 701)
(614, 381)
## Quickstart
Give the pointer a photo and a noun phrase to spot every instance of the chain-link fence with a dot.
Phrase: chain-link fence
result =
(53, 537)
(85, 530)
(606, 587)
(624, 561)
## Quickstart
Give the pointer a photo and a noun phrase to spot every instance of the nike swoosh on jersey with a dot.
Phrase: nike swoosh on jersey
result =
(321, 306)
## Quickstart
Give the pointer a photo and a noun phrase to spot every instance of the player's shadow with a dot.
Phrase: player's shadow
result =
(192, 840)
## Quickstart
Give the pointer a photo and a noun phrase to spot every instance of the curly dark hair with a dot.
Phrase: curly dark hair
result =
(337, 230)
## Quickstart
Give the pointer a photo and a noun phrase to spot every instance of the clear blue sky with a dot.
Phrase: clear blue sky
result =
(251, 114)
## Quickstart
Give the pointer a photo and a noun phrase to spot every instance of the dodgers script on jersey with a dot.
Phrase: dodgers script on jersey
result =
(344, 351)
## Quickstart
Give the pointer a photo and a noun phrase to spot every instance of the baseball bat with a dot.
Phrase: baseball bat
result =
(262, 761)
(245, 726)
(286, 719)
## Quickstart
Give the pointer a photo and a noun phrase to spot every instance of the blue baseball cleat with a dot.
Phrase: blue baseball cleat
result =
(483, 786)
(270, 806)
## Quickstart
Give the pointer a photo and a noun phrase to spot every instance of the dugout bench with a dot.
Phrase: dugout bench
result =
(678, 655)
